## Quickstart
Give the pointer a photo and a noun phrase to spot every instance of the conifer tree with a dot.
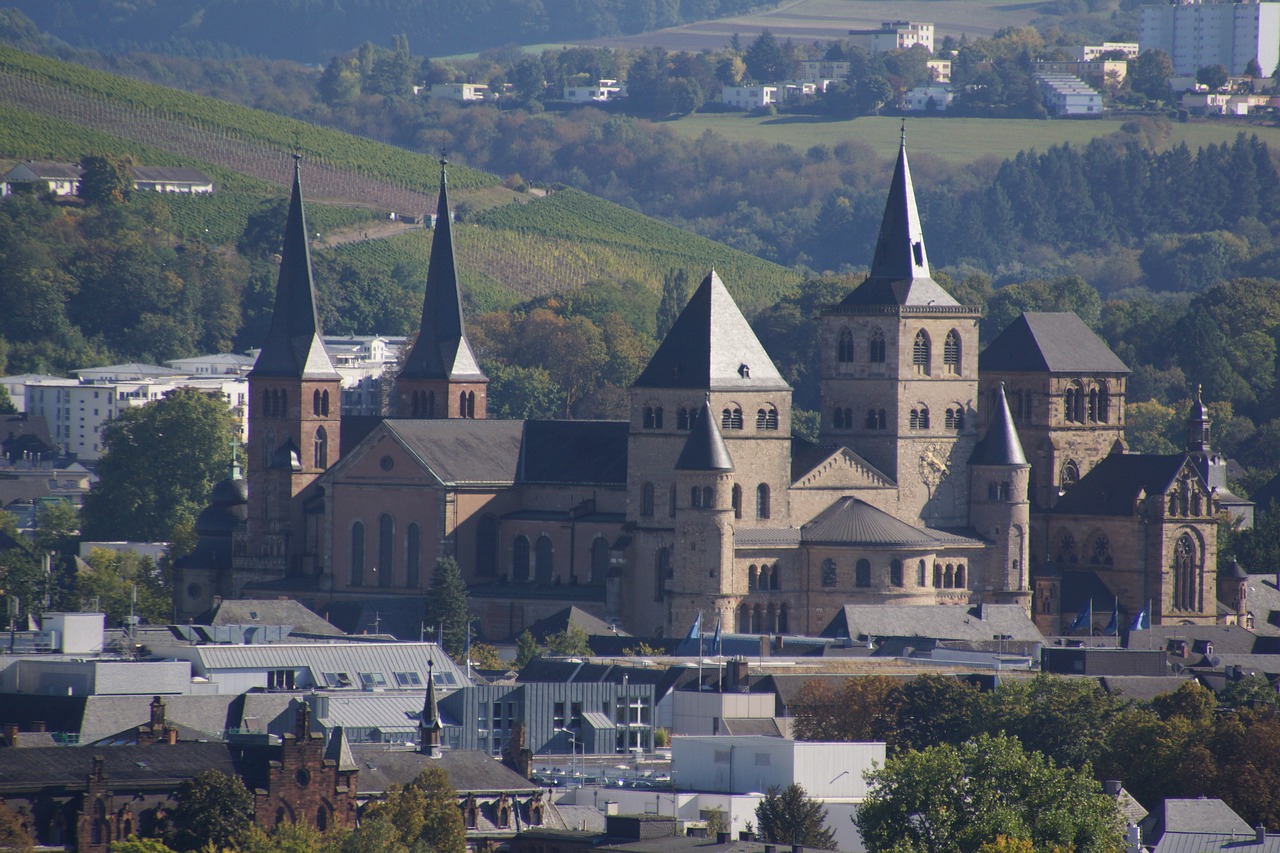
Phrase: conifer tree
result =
(447, 606)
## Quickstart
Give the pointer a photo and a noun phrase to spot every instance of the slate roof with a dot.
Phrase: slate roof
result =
(441, 350)
(293, 348)
(704, 449)
(1114, 484)
(900, 267)
(1001, 445)
(573, 617)
(281, 611)
(50, 170)
(936, 621)
(1202, 814)
(1057, 342)
(1214, 842)
(851, 521)
(469, 771)
(766, 537)
(1141, 687)
(573, 452)
(708, 345)
(170, 175)
(161, 767)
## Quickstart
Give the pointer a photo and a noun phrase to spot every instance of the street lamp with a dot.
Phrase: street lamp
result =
(573, 750)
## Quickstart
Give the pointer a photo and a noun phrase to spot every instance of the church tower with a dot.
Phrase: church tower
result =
(999, 478)
(899, 366)
(295, 402)
(440, 377)
(704, 477)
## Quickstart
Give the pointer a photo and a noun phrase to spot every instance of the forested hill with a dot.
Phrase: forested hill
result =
(310, 31)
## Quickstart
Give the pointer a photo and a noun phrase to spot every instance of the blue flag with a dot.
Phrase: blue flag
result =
(1142, 621)
(1085, 618)
(1113, 627)
(715, 640)
(695, 632)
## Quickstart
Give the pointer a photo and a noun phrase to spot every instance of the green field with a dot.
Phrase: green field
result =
(955, 140)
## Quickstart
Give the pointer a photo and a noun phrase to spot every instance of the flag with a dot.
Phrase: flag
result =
(715, 640)
(1113, 627)
(1142, 621)
(695, 632)
(1085, 617)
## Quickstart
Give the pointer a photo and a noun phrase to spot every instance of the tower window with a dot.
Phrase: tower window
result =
(731, 418)
(646, 501)
(762, 500)
(321, 448)
(955, 418)
(920, 354)
(737, 501)
(520, 558)
(919, 418)
(862, 574)
(951, 352)
(1104, 404)
(876, 347)
(767, 418)
(844, 349)
(357, 554)
(683, 419)
(829, 572)
(895, 574)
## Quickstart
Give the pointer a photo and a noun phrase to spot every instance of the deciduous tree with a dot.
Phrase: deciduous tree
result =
(212, 809)
(788, 816)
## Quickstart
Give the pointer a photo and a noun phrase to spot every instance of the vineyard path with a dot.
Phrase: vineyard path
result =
(365, 231)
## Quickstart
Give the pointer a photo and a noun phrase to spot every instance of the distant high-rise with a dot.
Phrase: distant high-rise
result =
(1197, 35)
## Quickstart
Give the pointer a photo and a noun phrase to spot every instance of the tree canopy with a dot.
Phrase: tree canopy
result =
(788, 816)
(212, 809)
(447, 607)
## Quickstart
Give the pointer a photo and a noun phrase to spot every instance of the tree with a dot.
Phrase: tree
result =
(425, 811)
(133, 844)
(571, 642)
(447, 606)
(527, 648)
(57, 527)
(1149, 75)
(1213, 76)
(858, 709)
(934, 709)
(485, 656)
(767, 60)
(14, 836)
(212, 809)
(106, 179)
(124, 583)
(675, 293)
(6, 402)
(1252, 68)
(1067, 719)
(948, 799)
(788, 816)
(159, 463)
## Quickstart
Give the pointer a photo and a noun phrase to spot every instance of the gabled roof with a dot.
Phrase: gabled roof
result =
(170, 175)
(156, 768)
(45, 170)
(1203, 814)
(711, 347)
(704, 449)
(1056, 342)
(850, 521)
(441, 350)
(1000, 446)
(268, 611)
(1113, 486)
(469, 771)
(576, 618)
(293, 347)
(934, 621)
(900, 268)
(574, 452)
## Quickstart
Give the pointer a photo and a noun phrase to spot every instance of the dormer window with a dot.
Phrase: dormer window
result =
(744, 371)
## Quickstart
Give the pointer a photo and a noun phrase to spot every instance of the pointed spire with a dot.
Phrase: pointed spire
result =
(294, 348)
(705, 450)
(711, 346)
(1000, 446)
(1198, 425)
(441, 350)
(338, 751)
(429, 725)
(900, 266)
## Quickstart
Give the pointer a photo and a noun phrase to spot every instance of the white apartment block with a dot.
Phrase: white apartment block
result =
(603, 90)
(1196, 34)
(939, 70)
(1065, 95)
(818, 70)
(465, 92)
(749, 97)
(1090, 52)
(894, 35)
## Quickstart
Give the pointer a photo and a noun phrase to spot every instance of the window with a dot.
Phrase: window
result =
(737, 501)
(315, 403)
(775, 576)
(357, 554)
(920, 354)
(695, 497)
(1100, 551)
(671, 502)
(520, 558)
(648, 417)
(876, 347)
(1067, 548)
(920, 574)
(844, 349)
(1070, 476)
(919, 418)
(753, 579)
(1093, 405)
(280, 679)
(386, 542)
(1104, 404)
(767, 418)
(829, 575)
(372, 680)
(661, 571)
(1185, 577)
(762, 500)
(951, 353)
(960, 577)
(683, 421)
(731, 418)
(646, 500)
(487, 546)
(321, 454)
(558, 718)
(895, 574)
(542, 563)
(653, 417)
(599, 559)
(408, 679)
(954, 418)
(840, 418)
(412, 552)
(862, 574)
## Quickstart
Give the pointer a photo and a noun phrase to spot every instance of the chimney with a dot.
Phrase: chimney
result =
(1260, 834)
(778, 643)
(11, 734)
(1111, 787)
(739, 676)
(610, 807)
(764, 646)
(171, 736)
(771, 848)
(37, 725)
(722, 838)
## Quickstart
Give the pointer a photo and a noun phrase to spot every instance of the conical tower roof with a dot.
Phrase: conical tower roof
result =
(1000, 446)
(705, 450)
(711, 346)
(294, 348)
(338, 751)
(900, 266)
(441, 350)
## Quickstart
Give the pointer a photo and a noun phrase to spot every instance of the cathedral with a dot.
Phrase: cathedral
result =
(942, 475)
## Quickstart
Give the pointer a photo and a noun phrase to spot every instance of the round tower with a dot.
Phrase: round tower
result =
(1000, 509)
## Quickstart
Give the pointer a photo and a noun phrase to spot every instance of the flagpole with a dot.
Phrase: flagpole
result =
(699, 624)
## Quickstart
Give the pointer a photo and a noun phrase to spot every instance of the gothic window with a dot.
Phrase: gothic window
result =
(1067, 548)
(753, 579)
(1069, 405)
(737, 501)
(876, 347)
(462, 404)
(413, 556)
(324, 403)
(646, 500)
(648, 417)
(682, 418)
(520, 558)
(862, 574)
(1104, 404)
(937, 576)
(920, 354)
(315, 402)
(1070, 475)
(828, 572)
(895, 574)
(471, 404)
(1100, 552)
(357, 554)
(1185, 586)
(487, 547)
(321, 455)
(599, 559)
(951, 352)
(542, 564)
(844, 350)
(921, 571)
(762, 500)
(386, 542)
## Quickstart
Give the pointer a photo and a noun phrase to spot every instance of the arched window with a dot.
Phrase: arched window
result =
(695, 497)
(731, 417)
(430, 409)
(770, 418)
(895, 574)
(321, 454)
(671, 502)
(1004, 490)
(657, 417)
(543, 567)
(753, 578)
(960, 577)
(1186, 587)
(315, 402)
(487, 547)
(1104, 404)
(1067, 548)
(1069, 405)
(844, 350)
(708, 497)
(661, 571)
(993, 491)
(937, 576)
(762, 500)
(324, 403)
(737, 501)
(1100, 551)
(1093, 405)
(682, 418)
(764, 584)
(1070, 476)
(920, 354)
(599, 559)
(948, 576)
(876, 348)
(520, 558)
(357, 554)
(951, 353)
(875, 418)
(413, 557)
(829, 575)
(921, 572)
(744, 619)
(954, 418)
(784, 620)
(471, 404)
(862, 574)
(386, 567)
(775, 576)
(837, 418)
(648, 417)
(646, 500)
(919, 417)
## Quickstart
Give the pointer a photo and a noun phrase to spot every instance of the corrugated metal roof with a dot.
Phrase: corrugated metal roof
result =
(322, 657)
(387, 712)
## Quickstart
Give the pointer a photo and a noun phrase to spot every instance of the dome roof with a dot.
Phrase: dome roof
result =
(229, 492)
